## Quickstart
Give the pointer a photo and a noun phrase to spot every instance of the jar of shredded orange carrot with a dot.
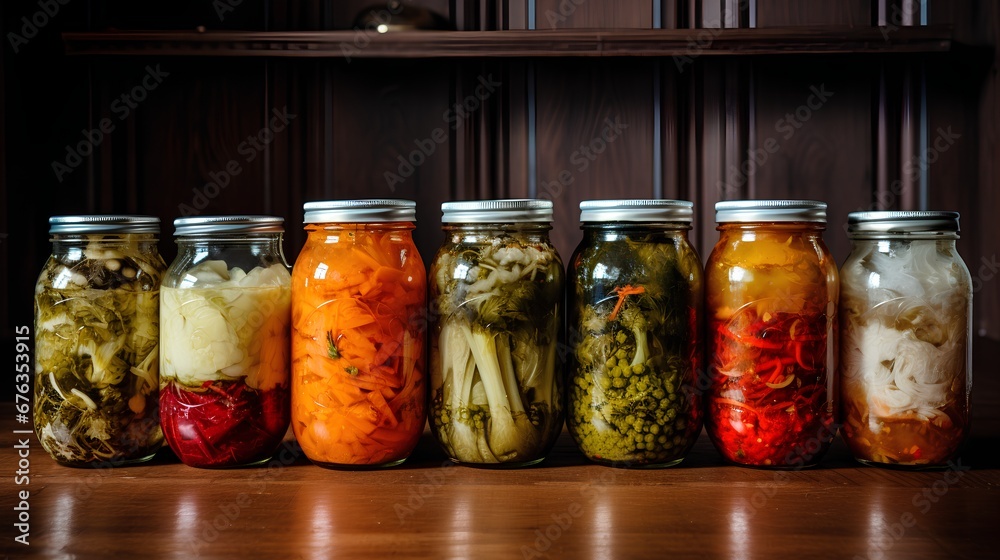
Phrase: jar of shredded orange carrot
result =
(358, 300)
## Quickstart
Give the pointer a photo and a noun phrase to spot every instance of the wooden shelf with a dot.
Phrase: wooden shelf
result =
(428, 509)
(527, 44)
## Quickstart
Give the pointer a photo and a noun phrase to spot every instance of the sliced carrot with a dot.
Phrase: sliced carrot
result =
(623, 292)
(362, 402)
(386, 416)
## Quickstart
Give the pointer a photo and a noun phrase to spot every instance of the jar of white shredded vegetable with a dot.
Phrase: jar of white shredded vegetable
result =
(225, 313)
(96, 341)
(496, 293)
(906, 352)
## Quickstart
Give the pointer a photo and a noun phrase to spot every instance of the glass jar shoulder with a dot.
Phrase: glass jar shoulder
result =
(485, 260)
(917, 263)
(771, 263)
(771, 247)
(220, 274)
(245, 262)
(505, 242)
(896, 282)
(611, 257)
(98, 263)
(335, 252)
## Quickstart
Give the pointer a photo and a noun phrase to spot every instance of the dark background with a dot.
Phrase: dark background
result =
(687, 126)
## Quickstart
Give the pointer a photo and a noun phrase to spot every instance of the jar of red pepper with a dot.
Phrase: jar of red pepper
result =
(772, 289)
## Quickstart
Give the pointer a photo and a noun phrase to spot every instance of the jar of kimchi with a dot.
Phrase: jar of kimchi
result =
(906, 352)
(497, 311)
(771, 304)
(97, 335)
(635, 326)
(358, 323)
(224, 341)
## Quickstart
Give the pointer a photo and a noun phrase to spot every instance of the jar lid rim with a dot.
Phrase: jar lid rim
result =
(202, 225)
(363, 210)
(888, 222)
(746, 211)
(104, 223)
(636, 210)
(497, 211)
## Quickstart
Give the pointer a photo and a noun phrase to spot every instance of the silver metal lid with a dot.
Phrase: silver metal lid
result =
(207, 225)
(497, 211)
(360, 211)
(878, 224)
(106, 223)
(770, 211)
(629, 210)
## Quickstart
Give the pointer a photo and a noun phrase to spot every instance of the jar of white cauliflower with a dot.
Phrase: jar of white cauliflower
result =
(906, 353)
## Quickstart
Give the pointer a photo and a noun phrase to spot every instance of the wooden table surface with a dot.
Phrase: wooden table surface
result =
(564, 507)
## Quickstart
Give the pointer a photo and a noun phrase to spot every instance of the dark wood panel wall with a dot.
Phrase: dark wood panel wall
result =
(596, 137)
(845, 130)
(812, 137)
(5, 280)
(982, 23)
(565, 14)
(264, 137)
(721, 138)
(780, 13)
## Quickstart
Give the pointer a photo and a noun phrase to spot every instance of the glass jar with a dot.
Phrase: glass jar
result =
(496, 312)
(906, 348)
(224, 345)
(358, 310)
(96, 340)
(635, 320)
(771, 302)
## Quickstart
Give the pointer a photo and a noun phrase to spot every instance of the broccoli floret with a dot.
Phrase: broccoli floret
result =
(624, 403)
(634, 320)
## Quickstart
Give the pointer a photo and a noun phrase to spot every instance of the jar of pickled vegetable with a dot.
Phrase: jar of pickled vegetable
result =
(96, 339)
(496, 311)
(635, 320)
(906, 352)
(771, 302)
(358, 323)
(225, 308)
